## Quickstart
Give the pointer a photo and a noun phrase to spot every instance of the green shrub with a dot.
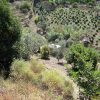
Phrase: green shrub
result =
(36, 19)
(78, 54)
(52, 36)
(88, 80)
(63, 33)
(9, 35)
(57, 52)
(57, 32)
(85, 68)
(25, 6)
(44, 50)
(30, 44)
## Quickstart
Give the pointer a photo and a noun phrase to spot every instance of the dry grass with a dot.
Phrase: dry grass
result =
(36, 66)
(57, 83)
(53, 80)
(24, 91)
(27, 82)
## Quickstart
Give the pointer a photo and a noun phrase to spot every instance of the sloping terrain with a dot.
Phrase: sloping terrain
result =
(26, 19)
(26, 82)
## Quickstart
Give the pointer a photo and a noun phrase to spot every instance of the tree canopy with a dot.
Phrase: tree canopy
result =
(9, 34)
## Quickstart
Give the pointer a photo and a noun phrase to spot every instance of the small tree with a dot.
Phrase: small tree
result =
(44, 50)
(59, 54)
(84, 69)
(88, 80)
(78, 54)
(9, 34)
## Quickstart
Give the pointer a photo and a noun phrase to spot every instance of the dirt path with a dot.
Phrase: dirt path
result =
(53, 64)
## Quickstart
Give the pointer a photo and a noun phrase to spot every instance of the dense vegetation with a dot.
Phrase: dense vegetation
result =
(9, 34)
(44, 32)
(84, 68)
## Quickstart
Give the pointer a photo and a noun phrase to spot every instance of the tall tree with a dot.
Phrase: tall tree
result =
(9, 34)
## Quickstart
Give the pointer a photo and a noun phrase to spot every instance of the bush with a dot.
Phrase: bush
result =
(52, 36)
(85, 68)
(44, 50)
(56, 37)
(88, 80)
(30, 44)
(20, 69)
(36, 19)
(9, 35)
(27, 70)
(57, 32)
(25, 6)
(57, 52)
(78, 54)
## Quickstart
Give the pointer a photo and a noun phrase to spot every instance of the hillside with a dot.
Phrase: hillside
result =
(49, 50)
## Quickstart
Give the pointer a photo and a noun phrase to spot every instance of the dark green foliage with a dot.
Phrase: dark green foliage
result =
(44, 50)
(78, 54)
(9, 34)
(11, 1)
(52, 36)
(88, 79)
(35, 2)
(57, 33)
(84, 69)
